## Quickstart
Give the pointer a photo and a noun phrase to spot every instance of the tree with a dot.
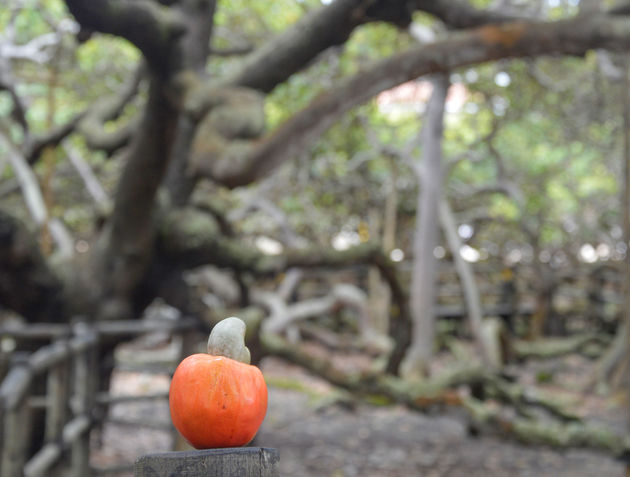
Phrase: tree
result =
(423, 276)
(186, 129)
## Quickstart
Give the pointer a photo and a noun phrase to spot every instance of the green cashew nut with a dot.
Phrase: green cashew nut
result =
(227, 338)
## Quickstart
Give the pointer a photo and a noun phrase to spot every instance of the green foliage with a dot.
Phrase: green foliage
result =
(502, 207)
(370, 43)
(255, 18)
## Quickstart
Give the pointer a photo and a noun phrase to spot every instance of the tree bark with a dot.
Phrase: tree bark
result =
(333, 24)
(491, 42)
(152, 27)
(426, 235)
(466, 276)
(27, 284)
(378, 292)
(105, 286)
(198, 17)
(616, 362)
(625, 208)
(382, 302)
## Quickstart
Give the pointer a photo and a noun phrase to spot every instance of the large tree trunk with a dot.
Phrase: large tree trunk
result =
(625, 209)
(423, 276)
(196, 43)
(615, 364)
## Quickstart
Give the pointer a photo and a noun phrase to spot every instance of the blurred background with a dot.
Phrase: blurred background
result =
(421, 209)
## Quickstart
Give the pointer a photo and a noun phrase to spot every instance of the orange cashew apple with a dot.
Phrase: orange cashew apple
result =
(218, 399)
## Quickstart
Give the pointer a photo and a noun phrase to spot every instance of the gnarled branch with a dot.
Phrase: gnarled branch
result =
(35, 201)
(90, 123)
(490, 42)
(27, 284)
(34, 146)
(460, 14)
(108, 109)
(147, 24)
(332, 24)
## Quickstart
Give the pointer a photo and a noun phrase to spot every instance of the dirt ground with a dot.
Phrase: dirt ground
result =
(394, 442)
(317, 436)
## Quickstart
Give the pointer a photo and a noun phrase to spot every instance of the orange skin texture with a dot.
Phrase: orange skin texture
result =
(217, 401)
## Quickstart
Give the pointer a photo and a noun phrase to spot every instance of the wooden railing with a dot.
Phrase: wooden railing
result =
(67, 365)
(60, 379)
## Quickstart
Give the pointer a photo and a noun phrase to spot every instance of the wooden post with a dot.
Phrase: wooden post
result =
(56, 401)
(229, 462)
(16, 420)
(85, 386)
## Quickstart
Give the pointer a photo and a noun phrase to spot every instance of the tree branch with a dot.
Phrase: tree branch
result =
(508, 416)
(90, 180)
(460, 14)
(195, 48)
(292, 50)
(7, 84)
(34, 146)
(429, 170)
(332, 24)
(491, 42)
(27, 285)
(128, 236)
(232, 51)
(188, 239)
(37, 49)
(108, 109)
(90, 123)
(472, 297)
(35, 201)
(284, 314)
(147, 159)
(148, 25)
(192, 238)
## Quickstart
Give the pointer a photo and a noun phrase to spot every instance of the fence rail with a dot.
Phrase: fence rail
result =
(60, 379)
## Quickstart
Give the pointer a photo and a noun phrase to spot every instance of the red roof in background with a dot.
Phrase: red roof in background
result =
(415, 92)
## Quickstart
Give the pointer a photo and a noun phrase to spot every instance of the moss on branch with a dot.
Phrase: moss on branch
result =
(441, 390)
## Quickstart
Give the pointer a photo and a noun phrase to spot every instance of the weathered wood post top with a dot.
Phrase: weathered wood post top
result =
(228, 462)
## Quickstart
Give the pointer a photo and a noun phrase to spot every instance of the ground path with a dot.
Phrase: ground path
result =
(318, 438)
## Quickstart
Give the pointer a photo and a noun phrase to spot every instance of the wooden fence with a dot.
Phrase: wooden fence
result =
(579, 297)
(60, 381)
